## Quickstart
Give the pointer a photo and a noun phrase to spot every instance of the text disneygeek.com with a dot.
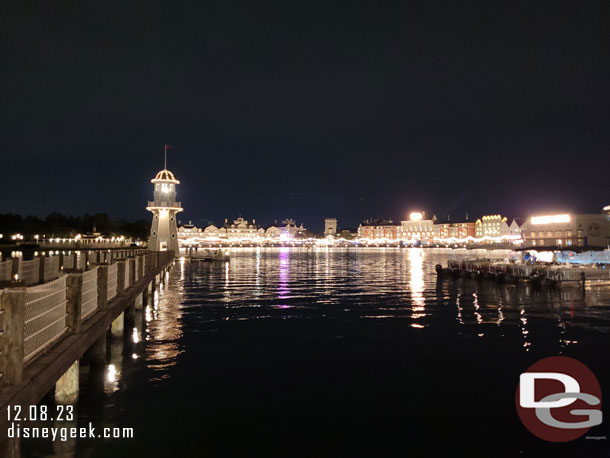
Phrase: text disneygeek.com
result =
(19, 417)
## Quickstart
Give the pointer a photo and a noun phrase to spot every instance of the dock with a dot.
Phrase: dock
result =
(55, 309)
(536, 274)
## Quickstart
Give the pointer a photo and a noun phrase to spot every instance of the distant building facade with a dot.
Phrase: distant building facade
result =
(455, 230)
(239, 230)
(330, 226)
(242, 229)
(417, 228)
(377, 230)
(567, 230)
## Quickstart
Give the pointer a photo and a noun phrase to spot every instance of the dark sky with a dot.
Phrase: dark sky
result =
(306, 109)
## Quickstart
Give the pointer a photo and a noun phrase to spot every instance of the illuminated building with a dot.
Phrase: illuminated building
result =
(567, 230)
(273, 233)
(212, 231)
(330, 226)
(417, 228)
(378, 230)
(164, 232)
(290, 230)
(188, 229)
(495, 226)
(189, 235)
(455, 230)
(241, 229)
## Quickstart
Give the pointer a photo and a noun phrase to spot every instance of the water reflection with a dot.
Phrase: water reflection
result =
(417, 285)
(163, 329)
(283, 288)
(264, 283)
(113, 370)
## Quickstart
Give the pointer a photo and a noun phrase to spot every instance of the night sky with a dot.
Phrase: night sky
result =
(306, 109)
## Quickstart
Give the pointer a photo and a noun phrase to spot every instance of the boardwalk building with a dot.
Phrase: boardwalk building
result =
(417, 228)
(567, 230)
(378, 230)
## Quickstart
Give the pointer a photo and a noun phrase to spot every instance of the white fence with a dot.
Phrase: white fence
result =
(81, 260)
(113, 271)
(29, 271)
(89, 293)
(68, 261)
(51, 268)
(6, 269)
(45, 316)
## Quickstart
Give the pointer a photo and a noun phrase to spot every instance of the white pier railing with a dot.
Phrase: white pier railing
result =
(51, 268)
(127, 274)
(113, 280)
(6, 268)
(51, 310)
(89, 293)
(29, 271)
(45, 316)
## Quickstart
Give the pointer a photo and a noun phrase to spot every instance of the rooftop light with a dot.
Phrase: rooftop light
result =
(548, 219)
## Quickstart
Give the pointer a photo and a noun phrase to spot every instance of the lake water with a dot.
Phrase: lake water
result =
(335, 352)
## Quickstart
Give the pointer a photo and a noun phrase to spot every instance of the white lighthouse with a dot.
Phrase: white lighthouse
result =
(163, 231)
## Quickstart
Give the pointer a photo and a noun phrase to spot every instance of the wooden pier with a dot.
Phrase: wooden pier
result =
(55, 310)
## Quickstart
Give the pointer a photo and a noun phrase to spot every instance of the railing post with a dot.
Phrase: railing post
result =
(132, 271)
(120, 284)
(12, 304)
(74, 295)
(15, 268)
(140, 259)
(102, 287)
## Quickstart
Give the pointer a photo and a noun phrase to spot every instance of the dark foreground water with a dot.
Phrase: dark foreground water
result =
(339, 352)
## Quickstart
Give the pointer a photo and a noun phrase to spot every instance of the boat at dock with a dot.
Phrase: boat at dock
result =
(534, 273)
(208, 255)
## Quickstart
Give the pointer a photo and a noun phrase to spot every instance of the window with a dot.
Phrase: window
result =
(541, 242)
(568, 233)
(558, 234)
(559, 242)
(549, 234)
(568, 242)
